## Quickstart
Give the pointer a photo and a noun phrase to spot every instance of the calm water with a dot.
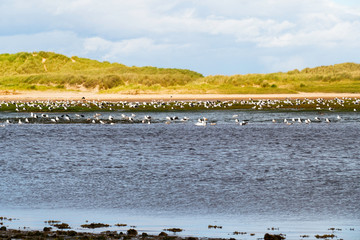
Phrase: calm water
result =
(301, 178)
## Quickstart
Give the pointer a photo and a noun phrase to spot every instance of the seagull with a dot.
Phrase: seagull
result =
(184, 119)
(146, 119)
(243, 123)
(201, 122)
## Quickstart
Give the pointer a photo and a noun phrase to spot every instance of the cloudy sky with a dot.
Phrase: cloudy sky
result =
(208, 36)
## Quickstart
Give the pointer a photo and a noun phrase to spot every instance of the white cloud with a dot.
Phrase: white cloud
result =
(173, 33)
(59, 41)
(341, 34)
(111, 50)
(275, 64)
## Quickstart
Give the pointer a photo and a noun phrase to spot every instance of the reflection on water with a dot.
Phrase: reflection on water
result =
(260, 171)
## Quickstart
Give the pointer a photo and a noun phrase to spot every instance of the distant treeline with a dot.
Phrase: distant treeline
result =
(47, 70)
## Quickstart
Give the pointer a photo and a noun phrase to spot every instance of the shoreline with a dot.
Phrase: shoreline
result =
(49, 233)
(53, 229)
(69, 95)
(11, 228)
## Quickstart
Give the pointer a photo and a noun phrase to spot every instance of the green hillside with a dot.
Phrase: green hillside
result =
(49, 71)
(343, 77)
(43, 70)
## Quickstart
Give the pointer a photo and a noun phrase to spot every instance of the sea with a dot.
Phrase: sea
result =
(270, 175)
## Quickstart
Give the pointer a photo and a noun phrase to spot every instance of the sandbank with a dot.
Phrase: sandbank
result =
(74, 95)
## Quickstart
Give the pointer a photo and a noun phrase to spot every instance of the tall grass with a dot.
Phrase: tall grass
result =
(337, 78)
(47, 70)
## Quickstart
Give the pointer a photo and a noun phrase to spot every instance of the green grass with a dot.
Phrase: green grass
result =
(337, 78)
(27, 71)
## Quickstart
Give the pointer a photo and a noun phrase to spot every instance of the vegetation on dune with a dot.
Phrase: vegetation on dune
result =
(46, 70)
(343, 77)
(51, 71)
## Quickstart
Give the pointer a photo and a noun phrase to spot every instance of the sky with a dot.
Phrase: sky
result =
(208, 36)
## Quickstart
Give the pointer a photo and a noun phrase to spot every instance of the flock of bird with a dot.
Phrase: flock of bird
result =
(49, 110)
(95, 118)
(308, 120)
(318, 104)
(106, 118)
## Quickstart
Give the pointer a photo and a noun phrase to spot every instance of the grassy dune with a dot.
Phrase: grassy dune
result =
(51, 71)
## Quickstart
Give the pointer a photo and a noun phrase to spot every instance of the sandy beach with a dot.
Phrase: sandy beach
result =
(73, 95)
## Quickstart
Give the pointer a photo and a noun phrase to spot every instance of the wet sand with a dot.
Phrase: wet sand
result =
(73, 95)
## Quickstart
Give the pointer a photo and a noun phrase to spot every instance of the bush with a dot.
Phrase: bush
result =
(110, 81)
(264, 85)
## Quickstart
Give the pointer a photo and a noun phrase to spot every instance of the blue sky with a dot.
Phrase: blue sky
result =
(208, 36)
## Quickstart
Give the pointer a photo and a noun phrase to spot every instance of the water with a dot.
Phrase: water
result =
(244, 178)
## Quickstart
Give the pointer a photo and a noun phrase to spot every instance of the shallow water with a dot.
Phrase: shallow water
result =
(245, 178)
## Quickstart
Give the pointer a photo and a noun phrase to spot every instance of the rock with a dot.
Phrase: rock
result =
(132, 232)
(273, 237)
(163, 234)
